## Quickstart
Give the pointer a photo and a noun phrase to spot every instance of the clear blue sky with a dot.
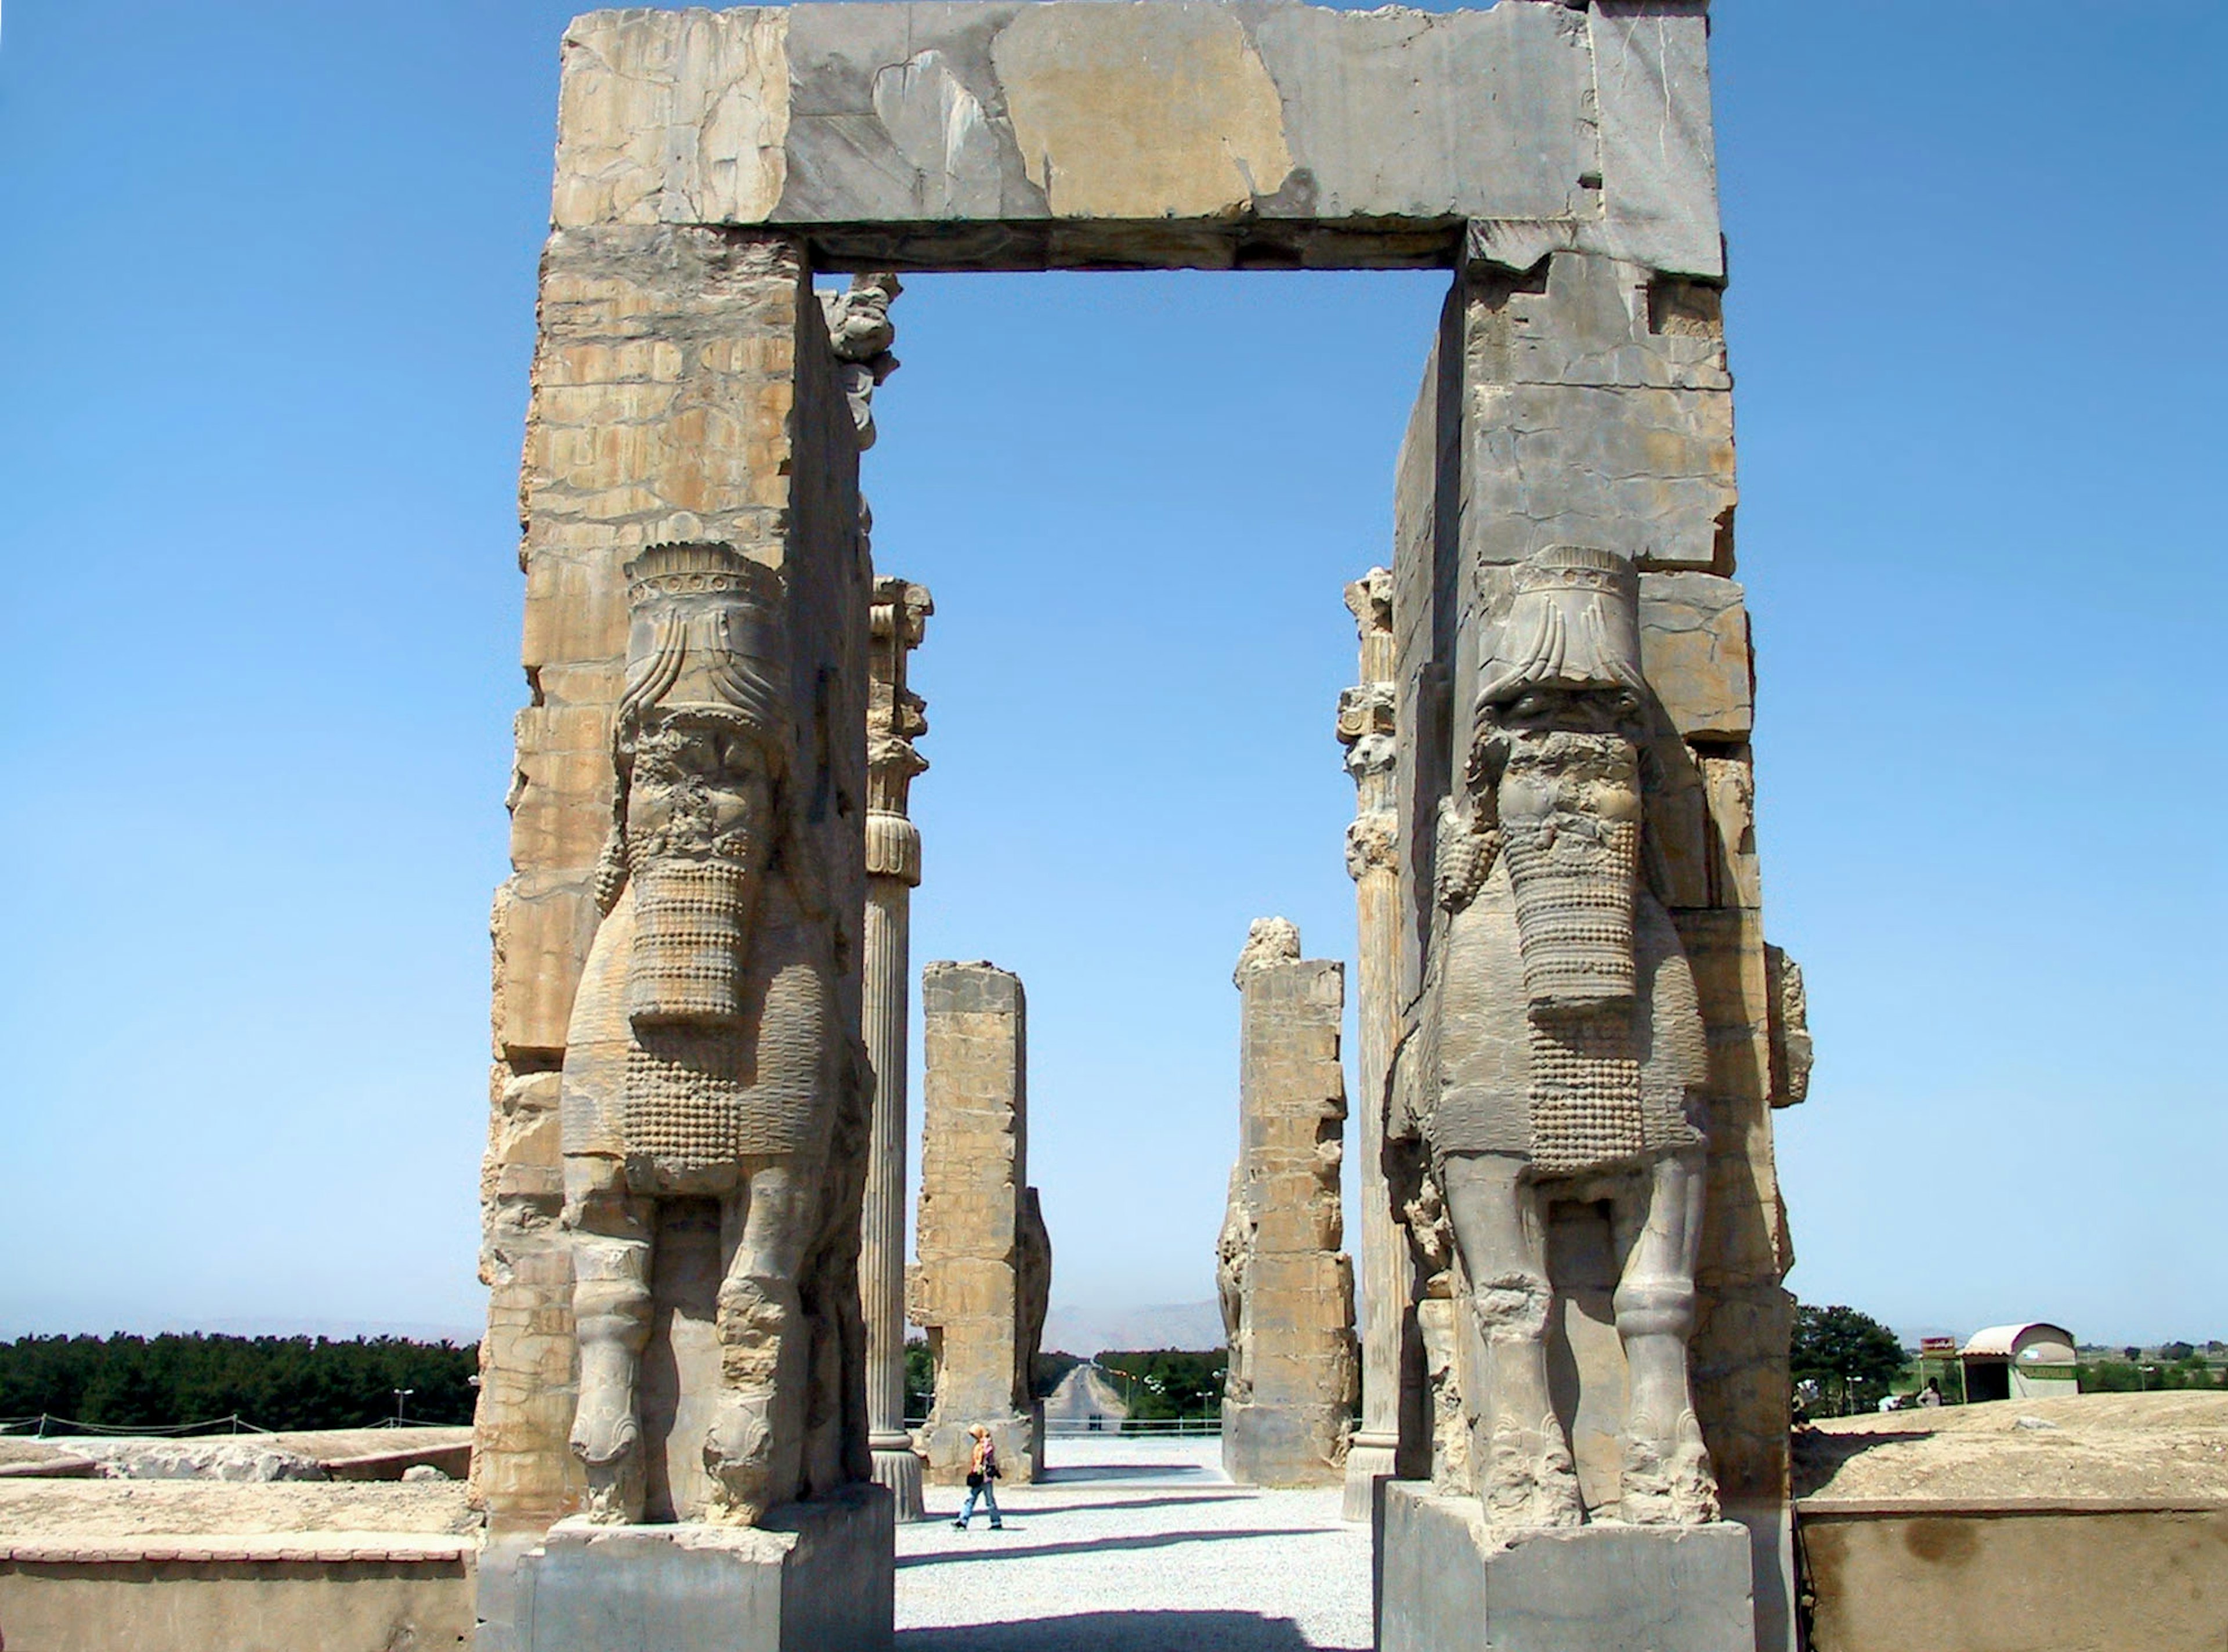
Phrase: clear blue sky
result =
(265, 313)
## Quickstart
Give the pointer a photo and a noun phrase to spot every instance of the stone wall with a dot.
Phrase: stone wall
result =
(2074, 1574)
(1287, 1288)
(983, 1278)
(301, 1592)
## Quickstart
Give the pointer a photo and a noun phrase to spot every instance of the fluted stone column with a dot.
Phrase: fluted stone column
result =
(1365, 729)
(894, 718)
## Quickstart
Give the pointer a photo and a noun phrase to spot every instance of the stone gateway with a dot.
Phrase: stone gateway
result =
(1573, 1034)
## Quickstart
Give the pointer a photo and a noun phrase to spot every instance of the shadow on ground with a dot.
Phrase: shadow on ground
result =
(992, 1549)
(1115, 1632)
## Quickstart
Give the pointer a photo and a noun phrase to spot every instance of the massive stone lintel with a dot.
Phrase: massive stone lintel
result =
(984, 1275)
(1287, 1288)
(996, 134)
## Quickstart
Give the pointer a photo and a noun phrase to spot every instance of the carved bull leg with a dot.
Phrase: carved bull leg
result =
(1525, 1477)
(610, 1247)
(754, 1449)
(1666, 1478)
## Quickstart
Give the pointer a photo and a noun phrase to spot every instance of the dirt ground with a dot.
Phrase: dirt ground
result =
(94, 1508)
(2158, 1445)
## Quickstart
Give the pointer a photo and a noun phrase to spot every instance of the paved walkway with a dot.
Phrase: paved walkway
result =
(1135, 1545)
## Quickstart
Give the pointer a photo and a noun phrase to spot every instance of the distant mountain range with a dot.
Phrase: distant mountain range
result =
(1074, 1327)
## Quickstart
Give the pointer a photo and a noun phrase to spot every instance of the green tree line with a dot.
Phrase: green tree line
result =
(272, 1382)
(1159, 1384)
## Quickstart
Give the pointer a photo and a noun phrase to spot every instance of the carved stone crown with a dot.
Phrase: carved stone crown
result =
(700, 568)
(705, 632)
(1574, 622)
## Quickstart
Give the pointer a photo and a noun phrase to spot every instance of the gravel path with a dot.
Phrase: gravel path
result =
(1135, 1545)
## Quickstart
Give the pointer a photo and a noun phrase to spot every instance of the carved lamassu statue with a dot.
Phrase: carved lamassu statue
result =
(1561, 1051)
(706, 1080)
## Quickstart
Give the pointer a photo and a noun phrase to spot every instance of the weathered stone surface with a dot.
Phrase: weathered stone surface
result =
(232, 1460)
(1447, 1580)
(982, 1284)
(994, 135)
(811, 1576)
(1790, 1028)
(1598, 411)
(1287, 1288)
(1694, 643)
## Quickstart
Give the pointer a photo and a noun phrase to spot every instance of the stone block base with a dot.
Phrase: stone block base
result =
(1446, 1584)
(1270, 1445)
(817, 1575)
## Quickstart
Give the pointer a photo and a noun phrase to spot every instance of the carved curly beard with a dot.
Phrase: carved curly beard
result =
(1573, 877)
(695, 884)
(692, 919)
(690, 922)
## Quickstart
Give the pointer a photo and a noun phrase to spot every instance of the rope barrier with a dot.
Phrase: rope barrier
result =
(46, 1420)
(45, 1423)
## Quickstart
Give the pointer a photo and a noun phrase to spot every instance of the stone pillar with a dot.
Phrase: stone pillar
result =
(1287, 1288)
(1366, 725)
(899, 618)
(1583, 399)
(642, 327)
(984, 1274)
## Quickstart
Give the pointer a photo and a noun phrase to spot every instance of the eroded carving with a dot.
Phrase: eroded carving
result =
(1561, 1054)
(861, 331)
(705, 1082)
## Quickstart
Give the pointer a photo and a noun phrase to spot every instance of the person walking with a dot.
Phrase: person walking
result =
(982, 1472)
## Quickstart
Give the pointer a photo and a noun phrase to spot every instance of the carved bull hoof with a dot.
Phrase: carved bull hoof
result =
(608, 1442)
(739, 1456)
(1667, 1479)
(1529, 1478)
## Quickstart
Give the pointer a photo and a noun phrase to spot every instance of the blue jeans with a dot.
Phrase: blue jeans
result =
(990, 1501)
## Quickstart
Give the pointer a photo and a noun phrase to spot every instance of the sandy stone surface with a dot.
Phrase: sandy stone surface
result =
(326, 1446)
(100, 1508)
(2157, 1445)
(1135, 1545)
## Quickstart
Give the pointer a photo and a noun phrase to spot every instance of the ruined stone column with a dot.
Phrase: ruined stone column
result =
(894, 718)
(984, 1274)
(1287, 1288)
(1365, 728)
